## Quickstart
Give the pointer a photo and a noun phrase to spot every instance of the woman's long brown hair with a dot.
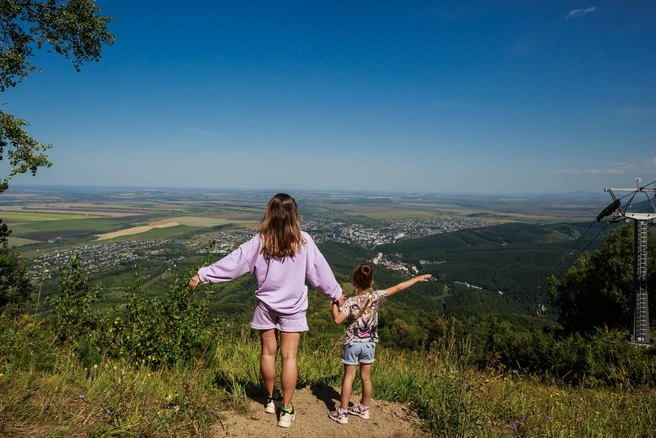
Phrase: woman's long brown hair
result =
(280, 228)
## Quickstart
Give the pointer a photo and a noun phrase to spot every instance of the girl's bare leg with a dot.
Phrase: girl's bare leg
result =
(347, 385)
(288, 349)
(367, 386)
(269, 343)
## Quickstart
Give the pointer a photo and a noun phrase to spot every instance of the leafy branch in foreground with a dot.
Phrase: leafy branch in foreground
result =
(24, 153)
(74, 29)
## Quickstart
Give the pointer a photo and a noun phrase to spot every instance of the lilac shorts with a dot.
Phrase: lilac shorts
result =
(266, 319)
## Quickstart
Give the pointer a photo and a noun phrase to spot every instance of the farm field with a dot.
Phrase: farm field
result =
(42, 215)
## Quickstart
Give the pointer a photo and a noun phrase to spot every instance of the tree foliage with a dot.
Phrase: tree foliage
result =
(15, 287)
(71, 307)
(596, 291)
(74, 29)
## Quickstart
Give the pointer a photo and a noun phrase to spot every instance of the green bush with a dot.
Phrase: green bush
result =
(603, 358)
(71, 306)
(15, 286)
(153, 332)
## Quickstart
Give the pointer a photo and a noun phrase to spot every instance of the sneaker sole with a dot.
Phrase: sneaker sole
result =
(364, 417)
(337, 420)
(287, 423)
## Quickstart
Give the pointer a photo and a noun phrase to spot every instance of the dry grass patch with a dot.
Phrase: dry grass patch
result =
(138, 230)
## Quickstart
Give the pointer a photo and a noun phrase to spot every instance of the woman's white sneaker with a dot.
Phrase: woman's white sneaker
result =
(286, 417)
(270, 406)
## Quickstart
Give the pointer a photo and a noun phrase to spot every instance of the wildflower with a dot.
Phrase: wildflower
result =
(549, 417)
(523, 418)
(108, 412)
(514, 426)
(81, 396)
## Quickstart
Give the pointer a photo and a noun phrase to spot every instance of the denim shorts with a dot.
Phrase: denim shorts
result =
(266, 319)
(359, 352)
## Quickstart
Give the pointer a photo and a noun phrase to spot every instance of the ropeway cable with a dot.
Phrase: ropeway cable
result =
(584, 249)
(578, 241)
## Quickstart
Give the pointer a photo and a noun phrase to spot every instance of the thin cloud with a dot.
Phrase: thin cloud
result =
(618, 168)
(576, 13)
(635, 111)
(594, 171)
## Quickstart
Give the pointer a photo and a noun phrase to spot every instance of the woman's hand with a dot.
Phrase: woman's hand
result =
(194, 282)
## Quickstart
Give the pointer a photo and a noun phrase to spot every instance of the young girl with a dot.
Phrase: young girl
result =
(282, 258)
(361, 337)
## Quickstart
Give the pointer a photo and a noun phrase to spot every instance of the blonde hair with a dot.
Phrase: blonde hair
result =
(280, 228)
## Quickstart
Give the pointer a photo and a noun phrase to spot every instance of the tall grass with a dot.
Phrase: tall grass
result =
(50, 391)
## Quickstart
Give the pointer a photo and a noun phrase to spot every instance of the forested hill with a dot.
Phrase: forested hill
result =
(514, 258)
(503, 234)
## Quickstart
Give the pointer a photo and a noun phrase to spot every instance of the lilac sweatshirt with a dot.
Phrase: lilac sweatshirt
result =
(280, 285)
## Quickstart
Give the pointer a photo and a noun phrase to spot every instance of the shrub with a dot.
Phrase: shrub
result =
(15, 287)
(71, 306)
(153, 332)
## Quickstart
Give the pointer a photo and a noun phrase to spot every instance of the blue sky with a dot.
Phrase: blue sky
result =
(462, 96)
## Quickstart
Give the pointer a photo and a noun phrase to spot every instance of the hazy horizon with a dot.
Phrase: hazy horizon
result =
(20, 187)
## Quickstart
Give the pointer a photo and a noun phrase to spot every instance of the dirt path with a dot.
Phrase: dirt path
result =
(388, 420)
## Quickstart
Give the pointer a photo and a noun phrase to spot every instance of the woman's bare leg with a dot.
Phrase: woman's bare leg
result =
(288, 349)
(268, 339)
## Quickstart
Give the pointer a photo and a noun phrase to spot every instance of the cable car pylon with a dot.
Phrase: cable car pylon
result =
(615, 212)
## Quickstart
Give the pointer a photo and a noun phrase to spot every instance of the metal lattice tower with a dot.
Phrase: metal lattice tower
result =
(639, 298)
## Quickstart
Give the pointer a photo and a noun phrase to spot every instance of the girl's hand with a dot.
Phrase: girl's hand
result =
(424, 277)
(194, 282)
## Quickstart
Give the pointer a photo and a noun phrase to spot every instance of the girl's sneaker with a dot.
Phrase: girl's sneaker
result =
(270, 406)
(340, 417)
(359, 411)
(287, 415)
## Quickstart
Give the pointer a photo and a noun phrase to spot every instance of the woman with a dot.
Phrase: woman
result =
(282, 258)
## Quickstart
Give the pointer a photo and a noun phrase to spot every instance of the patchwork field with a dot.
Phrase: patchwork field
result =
(137, 230)
(79, 215)
(34, 216)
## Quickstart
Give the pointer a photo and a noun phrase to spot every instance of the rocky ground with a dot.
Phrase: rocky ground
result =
(312, 405)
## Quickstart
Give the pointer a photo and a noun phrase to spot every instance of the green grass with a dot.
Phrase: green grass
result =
(20, 216)
(100, 224)
(17, 241)
(53, 391)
